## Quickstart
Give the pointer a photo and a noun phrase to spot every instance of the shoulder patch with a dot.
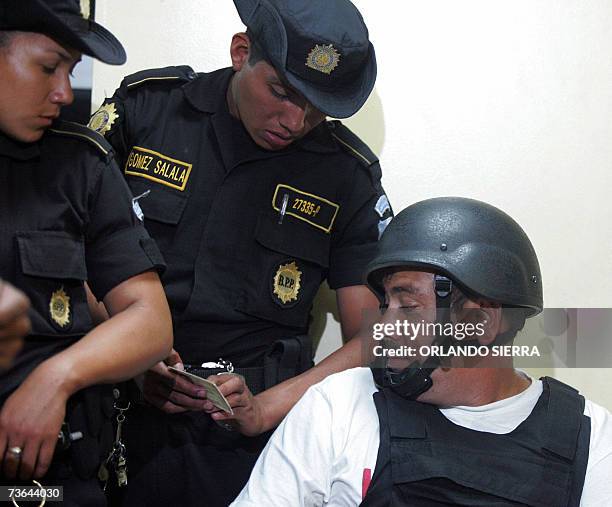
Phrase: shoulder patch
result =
(104, 118)
(180, 74)
(71, 129)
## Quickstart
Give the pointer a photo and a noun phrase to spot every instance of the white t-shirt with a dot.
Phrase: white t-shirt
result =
(321, 452)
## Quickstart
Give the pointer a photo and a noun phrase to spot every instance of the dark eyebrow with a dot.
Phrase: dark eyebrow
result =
(275, 80)
(63, 55)
(410, 289)
(289, 90)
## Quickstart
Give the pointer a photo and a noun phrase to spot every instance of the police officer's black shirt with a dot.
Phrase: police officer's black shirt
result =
(248, 234)
(66, 217)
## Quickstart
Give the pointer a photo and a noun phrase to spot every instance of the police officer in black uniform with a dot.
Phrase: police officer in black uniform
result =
(66, 219)
(254, 200)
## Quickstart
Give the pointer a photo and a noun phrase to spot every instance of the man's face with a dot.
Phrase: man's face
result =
(273, 113)
(35, 72)
(410, 295)
(409, 299)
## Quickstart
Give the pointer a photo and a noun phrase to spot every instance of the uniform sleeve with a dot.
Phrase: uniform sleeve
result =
(296, 465)
(113, 120)
(122, 117)
(365, 215)
(117, 245)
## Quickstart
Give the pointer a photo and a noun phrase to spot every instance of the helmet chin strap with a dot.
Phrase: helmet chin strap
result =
(414, 380)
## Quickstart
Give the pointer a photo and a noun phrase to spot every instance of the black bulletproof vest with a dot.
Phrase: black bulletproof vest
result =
(426, 460)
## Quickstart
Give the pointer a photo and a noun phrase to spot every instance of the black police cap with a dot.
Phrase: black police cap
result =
(66, 21)
(320, 47)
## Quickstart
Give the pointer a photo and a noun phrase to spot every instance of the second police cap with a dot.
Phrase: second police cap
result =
(320, 47)
(67, 21)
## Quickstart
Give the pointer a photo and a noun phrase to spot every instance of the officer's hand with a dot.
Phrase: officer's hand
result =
(14, 322)
(31, 419)
(248, 416)
(169, 391)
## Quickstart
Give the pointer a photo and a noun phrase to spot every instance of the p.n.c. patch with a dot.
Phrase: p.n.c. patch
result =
(315, 210)
(156, 167)
(286, 284)
(59, 308)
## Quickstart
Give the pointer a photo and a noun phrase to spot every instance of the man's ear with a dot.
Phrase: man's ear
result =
(240, 50)
(491, 324)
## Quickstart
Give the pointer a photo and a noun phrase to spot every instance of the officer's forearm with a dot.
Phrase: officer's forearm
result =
(14, 321)
(138, 334)
(277, 401)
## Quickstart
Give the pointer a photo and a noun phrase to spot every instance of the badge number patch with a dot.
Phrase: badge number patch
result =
(287, 283)
(59, 307)
(316, 211)
(156, 167)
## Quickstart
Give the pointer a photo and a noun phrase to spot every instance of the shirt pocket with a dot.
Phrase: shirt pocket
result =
(288, 263)
(52, 271)
(162, 208)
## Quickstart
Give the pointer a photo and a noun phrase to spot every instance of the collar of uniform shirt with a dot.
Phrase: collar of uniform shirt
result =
(214, 99)
(16, 150)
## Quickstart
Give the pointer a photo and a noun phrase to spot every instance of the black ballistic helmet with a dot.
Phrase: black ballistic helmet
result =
(471, 242)
(68, 21)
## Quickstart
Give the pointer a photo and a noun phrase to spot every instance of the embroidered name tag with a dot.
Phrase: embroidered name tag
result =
(310, 208)
(157, 167)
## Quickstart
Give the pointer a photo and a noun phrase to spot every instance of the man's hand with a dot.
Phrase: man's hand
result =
(14, 322)
(170, 392)
(248, 412)
(31, 419)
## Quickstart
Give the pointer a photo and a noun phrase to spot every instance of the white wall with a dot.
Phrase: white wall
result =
(82, 76)
(504, 101)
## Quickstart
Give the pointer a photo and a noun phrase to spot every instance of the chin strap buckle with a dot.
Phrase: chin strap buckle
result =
(443, 286)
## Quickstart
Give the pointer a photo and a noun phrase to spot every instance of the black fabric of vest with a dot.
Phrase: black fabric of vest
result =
(426, 460)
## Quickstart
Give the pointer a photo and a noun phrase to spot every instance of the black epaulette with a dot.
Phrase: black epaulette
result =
(179, 74)
(75, 130)
(355, 147)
